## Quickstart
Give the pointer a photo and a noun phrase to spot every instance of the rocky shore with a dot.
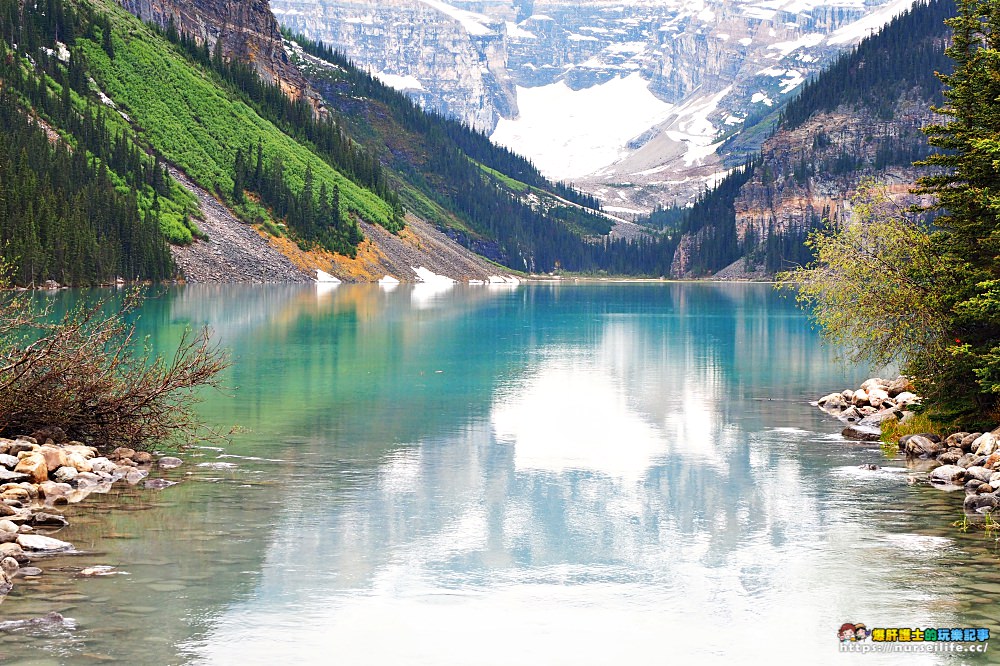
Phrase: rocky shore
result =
(42, 473)
(968, 461)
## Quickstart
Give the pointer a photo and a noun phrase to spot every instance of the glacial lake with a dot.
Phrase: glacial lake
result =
(593, 473)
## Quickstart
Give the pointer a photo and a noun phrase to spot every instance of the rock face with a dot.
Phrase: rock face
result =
(247, 30)
(716, 62)
(454, 63)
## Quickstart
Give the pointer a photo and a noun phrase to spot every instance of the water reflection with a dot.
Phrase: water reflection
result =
(544, 474)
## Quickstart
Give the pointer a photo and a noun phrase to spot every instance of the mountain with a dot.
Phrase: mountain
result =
(859, 120)
(665, 82)
(255, 162)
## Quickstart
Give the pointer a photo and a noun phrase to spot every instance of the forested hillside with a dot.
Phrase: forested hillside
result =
(860, 118)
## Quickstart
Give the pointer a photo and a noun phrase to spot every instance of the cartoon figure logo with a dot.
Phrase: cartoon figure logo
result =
(846, 632)
(860, 632)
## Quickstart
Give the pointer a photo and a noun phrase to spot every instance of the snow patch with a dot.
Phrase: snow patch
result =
(400, 82)
(517, 32)
(557, 126)
(805, 41)
(855, 32)
(471, 21)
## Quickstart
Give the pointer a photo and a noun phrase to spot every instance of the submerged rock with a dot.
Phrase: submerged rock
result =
(159, 484)
(169, 462)
(51, 619)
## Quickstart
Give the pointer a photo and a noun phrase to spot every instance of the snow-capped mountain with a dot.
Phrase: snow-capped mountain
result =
(629, 100)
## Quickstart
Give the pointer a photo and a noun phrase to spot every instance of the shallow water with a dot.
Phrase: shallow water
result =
(571, 474)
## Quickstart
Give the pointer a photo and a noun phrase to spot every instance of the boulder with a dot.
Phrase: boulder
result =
(992, 460)
(873, 383)
(968, 440)
(121, 452)
(878, 418)
(13, 550)
(42, 519)
(8, 526)
(972, 486)
(21, 445)
(950, 457)
(955, 439)
(877, 396)
(37, 542)
(906, 398)
(899, 385)
(918, 446)
(79, 462)
(851, 414)
(847, 395)
(860, 398)
(34, 466)
(169, 462)
(51, 490)
(970, 460)
(142, 457)
(159, 484)
(861, 433)
(985, 445)
(7, 476)
(65, 474)
(947, 474)
(980, 473)
(85, 452)
(134, 476)
(8, 537)
(995, 479)
(54, 457)
(8, 461)
(102, 465)
(985, 503)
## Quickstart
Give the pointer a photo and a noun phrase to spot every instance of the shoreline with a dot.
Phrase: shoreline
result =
(956, 461)
(39, 481)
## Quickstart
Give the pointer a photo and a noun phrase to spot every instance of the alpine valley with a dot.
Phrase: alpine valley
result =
(229, 150)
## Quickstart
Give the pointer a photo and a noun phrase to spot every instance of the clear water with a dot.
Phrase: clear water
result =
(573, 474)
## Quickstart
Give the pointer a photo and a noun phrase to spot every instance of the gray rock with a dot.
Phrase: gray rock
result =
(8, 461)
(955, 439)
(862, 433)
(13, 550)
(102, 465)
(65, 474)
(49, 620)
(985, 503)
(169, 462)
(970, 460)
(968, 440)
(41, 543)
(878, 418)
(948, 474)
(950, 457)
(134, 476)
(851, 414)
(7, 476)
(972, 486)
(977, 472)
(918, 446)
(26, 572)
(159, 484)
(42, 519)
(985, 445)
(899, 385)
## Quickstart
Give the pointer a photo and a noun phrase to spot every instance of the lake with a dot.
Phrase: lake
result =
(593, 473)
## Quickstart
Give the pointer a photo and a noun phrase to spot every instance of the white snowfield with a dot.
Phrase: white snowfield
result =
(570, 133)
(407, 83)
(323, 276)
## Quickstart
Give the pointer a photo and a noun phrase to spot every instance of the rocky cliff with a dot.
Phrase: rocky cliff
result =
(453, 62)
(247, 30)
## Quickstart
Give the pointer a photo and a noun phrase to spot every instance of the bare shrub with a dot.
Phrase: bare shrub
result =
(86, 374)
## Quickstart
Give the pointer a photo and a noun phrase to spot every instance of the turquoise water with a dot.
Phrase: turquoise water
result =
(549, 474)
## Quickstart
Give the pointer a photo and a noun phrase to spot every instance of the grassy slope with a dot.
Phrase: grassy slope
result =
(187, 116)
